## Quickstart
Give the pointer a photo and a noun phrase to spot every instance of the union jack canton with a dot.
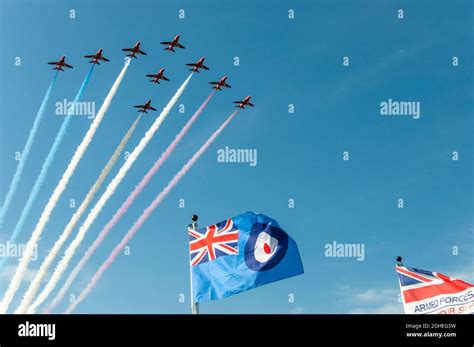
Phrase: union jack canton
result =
(214, 241)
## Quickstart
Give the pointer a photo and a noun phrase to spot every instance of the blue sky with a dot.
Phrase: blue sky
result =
(282, 62)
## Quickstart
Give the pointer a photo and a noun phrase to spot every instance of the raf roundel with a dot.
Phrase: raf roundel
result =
(265, 247)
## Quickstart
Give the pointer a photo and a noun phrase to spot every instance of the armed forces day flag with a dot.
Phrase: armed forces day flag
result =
(238, 254)
(426, 292)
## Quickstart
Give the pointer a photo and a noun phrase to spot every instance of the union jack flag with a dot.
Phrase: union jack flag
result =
(212, 242)
(431, 292)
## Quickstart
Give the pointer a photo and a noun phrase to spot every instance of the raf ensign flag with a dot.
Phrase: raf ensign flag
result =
(426, 292)
(241, 253)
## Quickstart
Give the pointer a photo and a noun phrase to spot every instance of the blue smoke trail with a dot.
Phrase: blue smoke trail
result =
(26, 151)
(47, 165)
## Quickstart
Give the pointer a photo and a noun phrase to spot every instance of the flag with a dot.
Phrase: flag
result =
(238, 254)
(426, 292)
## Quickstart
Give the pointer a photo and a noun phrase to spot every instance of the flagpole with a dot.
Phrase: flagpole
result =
(194, 305)
(399, 263)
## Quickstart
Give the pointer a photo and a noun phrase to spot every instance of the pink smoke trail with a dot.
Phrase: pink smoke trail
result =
(127, 203)
(147, 213)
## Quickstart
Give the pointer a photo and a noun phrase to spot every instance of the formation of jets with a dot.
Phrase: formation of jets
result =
(135, 50)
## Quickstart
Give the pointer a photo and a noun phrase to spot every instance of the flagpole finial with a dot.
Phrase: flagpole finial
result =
(194, 305)
(399, 261)
(194, 218)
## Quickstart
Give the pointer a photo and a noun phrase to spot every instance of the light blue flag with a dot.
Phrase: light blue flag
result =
(241, 253)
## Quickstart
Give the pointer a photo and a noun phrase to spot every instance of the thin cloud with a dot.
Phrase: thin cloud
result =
(389, 308)
(297, 310)
(375, 301)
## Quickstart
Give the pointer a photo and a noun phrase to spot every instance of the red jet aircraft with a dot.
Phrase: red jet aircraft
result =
(60, 64)
(134, 51)
(158, 76)
(173, 43)
(222, 83)
(144, 108)
(96, 57)
(198, 65)
(245, 102)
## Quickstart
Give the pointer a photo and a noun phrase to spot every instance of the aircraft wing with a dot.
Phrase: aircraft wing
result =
(180, 45)
(67, 65)
(53, 63)
(205, 67)
(127, 49)
(141, 52)
(104, 59)
(250, 104)
(154, 76)
(227, 85)
(165, 78)
(152, 108)
(191, 64)
(89, 56)
(165, 43)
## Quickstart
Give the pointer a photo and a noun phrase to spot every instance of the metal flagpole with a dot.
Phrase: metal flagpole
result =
(194, 305)
(399, 263)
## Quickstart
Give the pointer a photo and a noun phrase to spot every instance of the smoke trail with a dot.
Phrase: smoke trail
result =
(47, 164)
(43, 270)
(26, 152)
(110, 190)
(123, 209)
(53, 200)
(146, 214)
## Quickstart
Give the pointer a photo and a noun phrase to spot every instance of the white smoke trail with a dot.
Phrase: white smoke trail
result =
(112, 186)
(147, 213)
(126, 205)
(53, 200)
(43, 270)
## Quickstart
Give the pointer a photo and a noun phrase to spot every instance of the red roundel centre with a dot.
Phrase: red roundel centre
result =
(266, 248)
